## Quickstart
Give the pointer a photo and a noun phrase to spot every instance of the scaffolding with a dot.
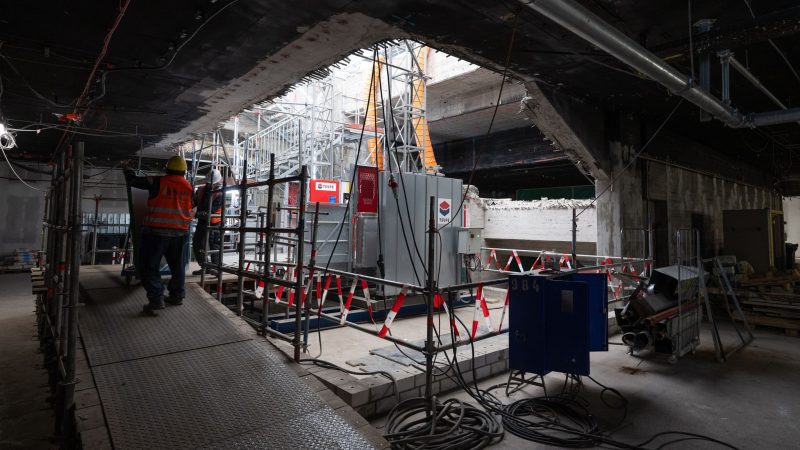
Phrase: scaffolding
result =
(320, 123)
(57, 308)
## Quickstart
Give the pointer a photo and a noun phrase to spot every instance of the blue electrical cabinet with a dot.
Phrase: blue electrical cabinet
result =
(566, 306)
(597, 284)
(555, 323)
(526, 318)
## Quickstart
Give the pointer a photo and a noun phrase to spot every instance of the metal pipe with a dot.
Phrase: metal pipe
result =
(394, 340)
(74, 271)
(470, 285)
(574, 237)
(221, 255)
(243, 225)
(430, 285)
(299, 256)
(411, 287)
(579, 20)
(259, 277)
(268, 248)
(584, 23)
(206, 233)
(97, 199)
(752, 79)
(703, 26)
(466, 342)
(548, 252)
(775, 117)
(726, 76)
(259, 184)
(311, 262)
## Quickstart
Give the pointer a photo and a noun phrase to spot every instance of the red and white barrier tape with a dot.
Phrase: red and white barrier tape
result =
(324, 292)
(438, 302)
(493, 257)
(503, 316)
(480, 304)
(398, 303)
(349, 301)
(365, 289)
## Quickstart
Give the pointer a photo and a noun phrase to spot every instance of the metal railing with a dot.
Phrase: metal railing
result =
(268, 235)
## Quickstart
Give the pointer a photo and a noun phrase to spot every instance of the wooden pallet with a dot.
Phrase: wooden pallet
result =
(791, 327)
(785, 279)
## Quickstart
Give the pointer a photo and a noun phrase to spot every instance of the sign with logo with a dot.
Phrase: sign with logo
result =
(323, 191)
(445, 211)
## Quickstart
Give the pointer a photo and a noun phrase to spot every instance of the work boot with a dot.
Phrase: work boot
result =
(197, 272)
(153, 306)
(174, 301)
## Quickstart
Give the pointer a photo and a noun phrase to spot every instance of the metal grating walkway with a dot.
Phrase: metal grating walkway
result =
(191, 378)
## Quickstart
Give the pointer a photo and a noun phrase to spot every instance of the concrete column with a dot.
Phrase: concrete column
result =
(620, 206)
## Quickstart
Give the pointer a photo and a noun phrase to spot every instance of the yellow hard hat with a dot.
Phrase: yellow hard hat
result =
(177, 163)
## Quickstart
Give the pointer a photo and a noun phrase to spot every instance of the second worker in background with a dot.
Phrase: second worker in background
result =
(208, 223)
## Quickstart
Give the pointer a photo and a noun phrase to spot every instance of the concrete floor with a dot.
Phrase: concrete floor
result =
(340, 345)
(751, 401)
(26, 418)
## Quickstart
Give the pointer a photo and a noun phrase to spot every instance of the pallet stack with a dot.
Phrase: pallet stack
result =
(22, 260)
(775, 309)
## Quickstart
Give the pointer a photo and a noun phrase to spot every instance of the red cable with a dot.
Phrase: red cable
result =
(97, 62)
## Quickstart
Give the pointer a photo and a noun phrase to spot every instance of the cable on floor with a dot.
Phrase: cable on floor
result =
(453, 425)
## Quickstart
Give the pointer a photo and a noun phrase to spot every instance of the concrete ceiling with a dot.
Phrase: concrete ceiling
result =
(476, 123)
(179, 67)
(463, 106)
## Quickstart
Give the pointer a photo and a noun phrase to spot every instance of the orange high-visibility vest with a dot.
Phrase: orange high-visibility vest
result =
(172, 207)
(216, 220)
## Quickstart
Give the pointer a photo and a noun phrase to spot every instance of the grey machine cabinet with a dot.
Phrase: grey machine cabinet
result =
(415, 190)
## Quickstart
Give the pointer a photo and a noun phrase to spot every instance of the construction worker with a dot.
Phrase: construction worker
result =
(204, 219)
(165, 229)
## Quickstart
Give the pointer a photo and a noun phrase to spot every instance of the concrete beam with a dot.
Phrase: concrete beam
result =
(320, 46)
(575, 127)
(470, 92)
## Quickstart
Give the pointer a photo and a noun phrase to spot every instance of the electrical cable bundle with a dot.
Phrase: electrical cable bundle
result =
(562, 420)
(453, 425)
(540, 420)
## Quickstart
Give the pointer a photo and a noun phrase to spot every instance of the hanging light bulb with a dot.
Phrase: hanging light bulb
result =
(6, 138)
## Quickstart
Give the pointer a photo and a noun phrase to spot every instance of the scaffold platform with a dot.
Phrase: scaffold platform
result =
(195, 376)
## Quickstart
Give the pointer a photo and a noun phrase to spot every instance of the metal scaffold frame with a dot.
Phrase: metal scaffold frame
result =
(268, 235)
(409, 108)
(318, 124)
(57, 309)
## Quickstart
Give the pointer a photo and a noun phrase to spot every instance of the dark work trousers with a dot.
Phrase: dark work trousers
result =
(214, 244)
(171, 248)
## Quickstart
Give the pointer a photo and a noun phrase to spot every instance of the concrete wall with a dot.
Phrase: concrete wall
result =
(21, 209)
(688, 193)
(545, 220)
(109, 184)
